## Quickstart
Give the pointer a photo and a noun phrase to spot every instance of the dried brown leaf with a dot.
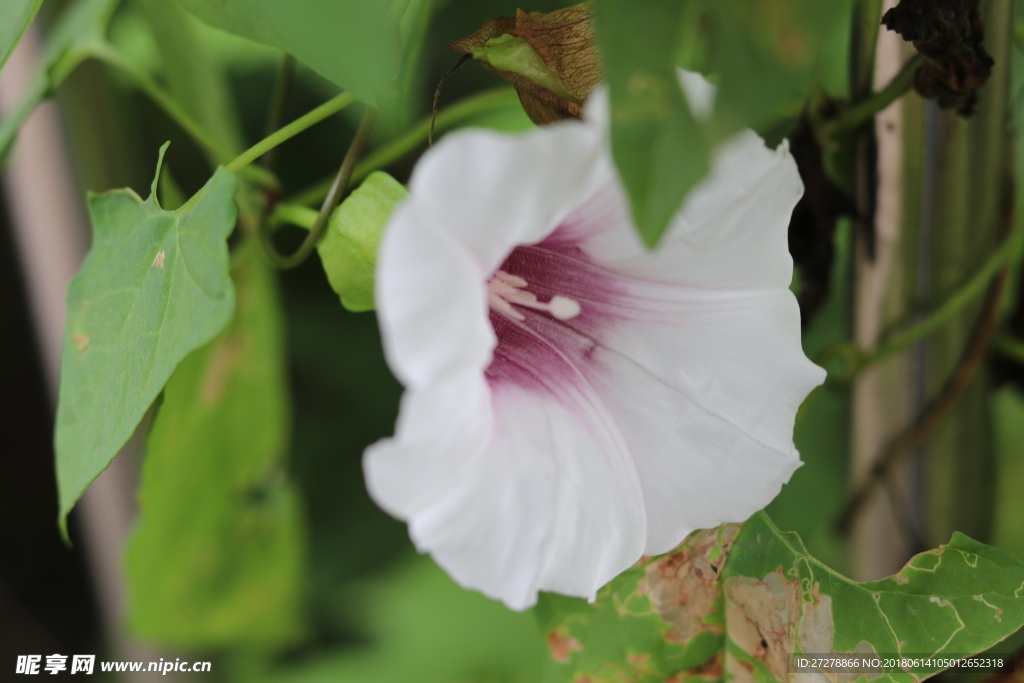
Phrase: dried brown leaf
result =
(950, 33)
(563, 41)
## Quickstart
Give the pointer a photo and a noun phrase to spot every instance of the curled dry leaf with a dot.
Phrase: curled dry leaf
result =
(950, 33)
(551, 59)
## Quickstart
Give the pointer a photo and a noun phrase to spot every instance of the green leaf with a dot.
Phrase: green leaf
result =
(770, 54)
(196, 80)
(740, 599)
(765, 55)
(355, 43)
(658, 146)
(14, 20)
(76, 35)
(423, 627)
(153, 288)
(216, 558)
(348, 249)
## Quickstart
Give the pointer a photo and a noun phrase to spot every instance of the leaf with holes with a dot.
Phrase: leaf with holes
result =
(738, 600)
(153, 288)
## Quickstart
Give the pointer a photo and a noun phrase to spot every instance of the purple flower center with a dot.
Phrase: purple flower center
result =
(546, 345)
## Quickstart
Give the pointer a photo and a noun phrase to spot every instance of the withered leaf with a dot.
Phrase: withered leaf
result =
(551, 59)
(950, 33)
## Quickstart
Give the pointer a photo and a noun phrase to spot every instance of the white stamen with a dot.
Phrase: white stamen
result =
(505, 290)
(513, 280)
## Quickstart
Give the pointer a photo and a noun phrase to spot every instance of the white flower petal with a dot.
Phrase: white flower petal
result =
(494, 190)
(430, 305)
(731, 231)
(706, 399)
(553, 503)
(439, 429)
(538, 451)
(700, 93)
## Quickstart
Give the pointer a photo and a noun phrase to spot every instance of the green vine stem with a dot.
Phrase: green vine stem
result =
(415, 137)
(863, 111)
(864, 44)
(307, 120)
(108, 55)
(295, 214)
(970, 291)
(857, 359)
(929, 419)
(337, 191)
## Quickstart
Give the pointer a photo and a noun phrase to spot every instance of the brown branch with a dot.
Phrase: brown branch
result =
(937, 409)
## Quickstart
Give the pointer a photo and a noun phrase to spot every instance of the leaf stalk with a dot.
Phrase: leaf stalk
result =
(337, 191)
(307, 120)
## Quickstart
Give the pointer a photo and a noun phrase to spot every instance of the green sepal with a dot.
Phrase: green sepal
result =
(348, 249)
(515, 55)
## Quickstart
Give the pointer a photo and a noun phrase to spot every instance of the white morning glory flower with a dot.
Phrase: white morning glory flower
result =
(574, 401)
